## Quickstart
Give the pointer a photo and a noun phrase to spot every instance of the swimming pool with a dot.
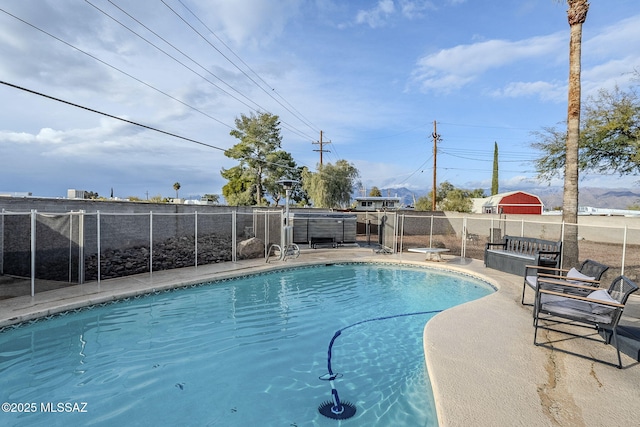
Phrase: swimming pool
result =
(236, 353)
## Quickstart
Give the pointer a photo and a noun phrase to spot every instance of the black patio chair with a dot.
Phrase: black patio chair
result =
(590, 272)
(600, 309)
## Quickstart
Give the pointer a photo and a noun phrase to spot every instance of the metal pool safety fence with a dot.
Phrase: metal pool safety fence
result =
(56, 249)
(44, 250)
(614, 241)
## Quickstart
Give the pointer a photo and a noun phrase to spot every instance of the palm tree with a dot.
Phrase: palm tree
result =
(176, 187)
(577, 15)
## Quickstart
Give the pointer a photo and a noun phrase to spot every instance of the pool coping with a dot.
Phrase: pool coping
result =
(482, 364)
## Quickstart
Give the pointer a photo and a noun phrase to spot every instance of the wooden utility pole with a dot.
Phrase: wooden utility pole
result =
(435, 156)
(321, 150)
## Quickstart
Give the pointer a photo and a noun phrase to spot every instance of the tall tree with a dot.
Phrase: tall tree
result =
(260, 159)
(375, 192)
(332, 185)
(176, 187)
(577, 15)
(449, 198)
(609, 137)
(282, 166)
(240, 188)
(424, 203)
(457, 200)
(494, 178)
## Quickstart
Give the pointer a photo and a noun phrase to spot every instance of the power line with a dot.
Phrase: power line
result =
(305, 121)
(255, 107)
(172, 57)
(233, 63)
(154, 129)
(109, 115)
(485, 126)
(132, 76)
(321, 144)
(522, 160)
(116, 68)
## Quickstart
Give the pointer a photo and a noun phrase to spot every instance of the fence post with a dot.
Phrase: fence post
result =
(283, 226)
(624, 249)
(562, 240)
(522, 228)
(491, 231)
(98, 236)
(395, 230)
(70, 266)
(33, 252)
(266, 234)
(81, 247)
(2, 244)
(150, 243)
(431, 233)
(401, 232)
(463, 245)
(195, 220)
(234, 225)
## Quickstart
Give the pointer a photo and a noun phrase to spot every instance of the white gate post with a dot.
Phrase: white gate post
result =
(81, 247)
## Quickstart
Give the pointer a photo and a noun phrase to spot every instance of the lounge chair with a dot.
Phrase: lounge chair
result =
(590, 272)
(597, 308)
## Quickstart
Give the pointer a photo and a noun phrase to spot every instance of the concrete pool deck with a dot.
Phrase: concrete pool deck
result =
(483, 366)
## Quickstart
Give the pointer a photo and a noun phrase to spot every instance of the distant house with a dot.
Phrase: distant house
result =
(75, 194)
(513, 202)
(377, 203)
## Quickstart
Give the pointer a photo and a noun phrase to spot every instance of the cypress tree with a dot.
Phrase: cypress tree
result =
(494, 180)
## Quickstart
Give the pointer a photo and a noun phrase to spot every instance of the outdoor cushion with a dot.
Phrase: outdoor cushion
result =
(555, 300)
(532, 281)
(560, 309)
(575, 274)
(601, 295)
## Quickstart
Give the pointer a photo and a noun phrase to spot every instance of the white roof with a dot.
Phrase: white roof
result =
(378, 199)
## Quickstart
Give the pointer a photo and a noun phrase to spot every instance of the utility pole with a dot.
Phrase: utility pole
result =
(435, 137)
(321, 150)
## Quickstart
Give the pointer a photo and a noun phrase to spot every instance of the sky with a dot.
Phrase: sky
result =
(373, 76)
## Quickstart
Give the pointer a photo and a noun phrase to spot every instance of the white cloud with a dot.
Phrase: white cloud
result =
(453, 68)
(415, 9)
(376, 17)
(614, 40)
(545, 91)
(17, 137)
(618, 72)
(385, 9)
(250, 22)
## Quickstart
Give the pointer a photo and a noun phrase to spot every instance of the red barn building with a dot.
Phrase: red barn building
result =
(513, 202)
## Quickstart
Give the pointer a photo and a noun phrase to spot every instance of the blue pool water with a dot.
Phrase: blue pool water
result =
(245, 352)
